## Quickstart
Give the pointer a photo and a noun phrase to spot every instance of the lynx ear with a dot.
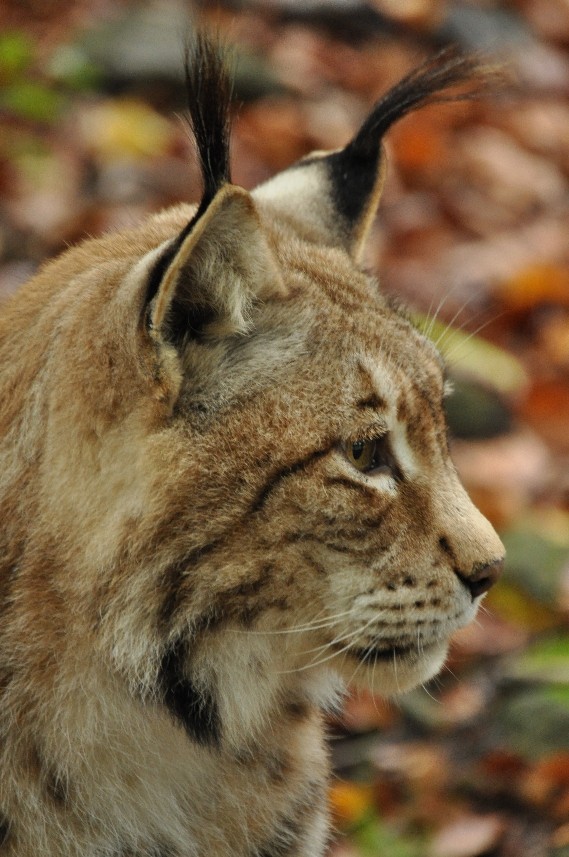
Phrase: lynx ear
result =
(218, 269)
(207, 278)
(333, 197)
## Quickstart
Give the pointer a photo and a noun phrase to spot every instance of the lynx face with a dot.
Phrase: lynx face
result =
(374, 552)
(397, 554)
(225, 482)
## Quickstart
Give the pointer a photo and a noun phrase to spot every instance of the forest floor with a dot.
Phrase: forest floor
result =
(473, 228)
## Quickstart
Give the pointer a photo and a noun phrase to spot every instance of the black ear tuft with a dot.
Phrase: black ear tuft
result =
(448, 76)
(333, 197)
(209, 91)
(207, 279)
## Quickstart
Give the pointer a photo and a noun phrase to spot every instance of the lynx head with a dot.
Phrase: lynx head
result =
(231, 449)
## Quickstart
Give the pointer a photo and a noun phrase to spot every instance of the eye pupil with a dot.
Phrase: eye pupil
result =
(357, 449)
(372, 456)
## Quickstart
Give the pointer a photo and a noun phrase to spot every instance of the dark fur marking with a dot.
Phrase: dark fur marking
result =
(276, 478)
(247, 614)
(160, 267)
(446, 548)
(57, 788)
(234, 604)
(195, 708)
(297, 709)
(291, 828)
(359, 487)
(278, 767)
(6, 677)
(374, 401)
(284, 842)
(343, 548)
(173, 582)
(4, 829)
(320, 569)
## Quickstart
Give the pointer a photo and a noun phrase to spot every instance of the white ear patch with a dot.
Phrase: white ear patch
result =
(303, 195)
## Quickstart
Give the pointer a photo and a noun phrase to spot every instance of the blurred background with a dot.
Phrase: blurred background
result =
(473, 229)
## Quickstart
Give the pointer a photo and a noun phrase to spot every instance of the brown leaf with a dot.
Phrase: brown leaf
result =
(504, 473)
(546, 408)
(547, 783)
(363, 712)
(276, 131)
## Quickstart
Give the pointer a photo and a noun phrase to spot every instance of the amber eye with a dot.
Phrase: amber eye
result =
(360, 454)
(368, 455)
(373, 456)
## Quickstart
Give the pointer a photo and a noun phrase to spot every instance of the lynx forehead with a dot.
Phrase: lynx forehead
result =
(225, 490)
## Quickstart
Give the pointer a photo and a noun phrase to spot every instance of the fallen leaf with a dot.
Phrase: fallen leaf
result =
(422, 14)
(534, 285)
(350, 801)
(364, 711)
(547, 780)
(276, 131)
(560, 838)
(125, 127)
(474, 356)
(546, 660)
(554, 340)
(535, 560)
(468, 836)
(533, 721)
(546, 408)
(504, 473)
(517, 607)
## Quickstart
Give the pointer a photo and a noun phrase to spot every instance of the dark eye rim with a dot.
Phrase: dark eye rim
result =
(383, 460)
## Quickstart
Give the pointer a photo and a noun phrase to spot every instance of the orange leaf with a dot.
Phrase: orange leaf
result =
(534, 285)
(350, 801)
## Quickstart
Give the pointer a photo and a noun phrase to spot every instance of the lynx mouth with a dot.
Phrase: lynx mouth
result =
(389, 653)
(372, 654)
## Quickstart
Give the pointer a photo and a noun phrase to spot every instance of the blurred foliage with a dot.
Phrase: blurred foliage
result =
(28, 93)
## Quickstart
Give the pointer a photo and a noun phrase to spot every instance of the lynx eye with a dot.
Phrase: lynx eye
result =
(369, 456)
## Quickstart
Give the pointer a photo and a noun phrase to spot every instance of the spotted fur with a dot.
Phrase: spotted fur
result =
(191, 565)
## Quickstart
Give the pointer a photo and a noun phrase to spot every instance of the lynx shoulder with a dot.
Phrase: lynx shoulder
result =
(225, 488)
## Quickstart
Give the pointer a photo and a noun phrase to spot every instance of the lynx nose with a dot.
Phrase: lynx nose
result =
(482, 577)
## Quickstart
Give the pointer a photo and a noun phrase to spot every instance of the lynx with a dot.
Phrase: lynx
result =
(225, 492)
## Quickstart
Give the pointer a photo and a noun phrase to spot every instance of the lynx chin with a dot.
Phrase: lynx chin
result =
(225, 490)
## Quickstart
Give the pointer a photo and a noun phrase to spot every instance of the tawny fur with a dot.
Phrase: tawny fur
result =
(191, 565)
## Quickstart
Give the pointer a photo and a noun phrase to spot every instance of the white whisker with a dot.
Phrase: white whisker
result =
(449, 324)
(431, 323)
(450, 356)
(315, 625)
(316, 663)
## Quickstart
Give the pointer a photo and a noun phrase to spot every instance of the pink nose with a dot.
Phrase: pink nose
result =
(482, 577)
